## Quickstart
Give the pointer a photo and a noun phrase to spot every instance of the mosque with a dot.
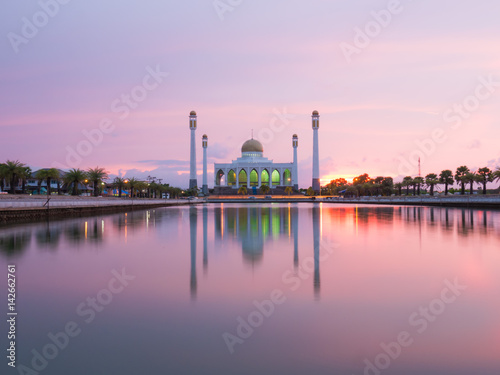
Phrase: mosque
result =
(252, 170)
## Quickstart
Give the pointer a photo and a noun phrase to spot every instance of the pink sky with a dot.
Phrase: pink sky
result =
(237, 70)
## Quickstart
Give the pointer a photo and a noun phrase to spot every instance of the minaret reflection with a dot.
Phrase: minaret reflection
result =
(205, 238)
(193, 227)
(316, 238)
(295, 229)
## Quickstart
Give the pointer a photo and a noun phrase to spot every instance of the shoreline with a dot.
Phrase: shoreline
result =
(481, 202)
(26, 210)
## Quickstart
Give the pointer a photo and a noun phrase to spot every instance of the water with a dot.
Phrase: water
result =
(258, 289)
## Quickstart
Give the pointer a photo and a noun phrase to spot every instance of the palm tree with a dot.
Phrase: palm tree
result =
(387, 186)
(74, 177)
(133, 184)
(398, 186)
(431, 180)
(26, 173)
(484, 175)
(264, 189)
(47, 174)
(11, 171)
(460, 177)
(310, 191)
(470, 178)
(141, 186)
(446, 178)
(119, 183)
(176, 192)
(2, 176)
(288, 190)
(155, 189)
(242, 190)
(97, 175)
(418, 181)
(495, 175)
(407, 182)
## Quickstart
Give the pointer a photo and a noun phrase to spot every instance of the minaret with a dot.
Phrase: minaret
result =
(315, 175)
(295, 174)
(193, 183)
(204, 142)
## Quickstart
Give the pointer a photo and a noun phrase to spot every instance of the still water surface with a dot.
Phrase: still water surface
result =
(259, 289)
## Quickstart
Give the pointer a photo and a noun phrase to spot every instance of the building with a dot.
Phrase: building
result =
(253, 170)
(316, 185)
(193, 181)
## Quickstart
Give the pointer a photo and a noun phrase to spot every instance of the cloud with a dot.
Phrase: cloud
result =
(218, 151)
(171, 163)
(476, 143)
(494, 163)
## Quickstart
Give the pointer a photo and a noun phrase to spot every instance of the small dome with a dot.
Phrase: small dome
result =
(193, 113)
(315, 113)
(252, 145)
(204, 136)
(295, 136)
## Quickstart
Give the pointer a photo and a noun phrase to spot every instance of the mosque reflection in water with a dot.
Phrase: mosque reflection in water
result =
(253, 226)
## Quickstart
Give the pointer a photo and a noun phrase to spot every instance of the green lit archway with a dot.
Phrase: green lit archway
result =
(276, 177)
(231, 178)
(254, 178)
(242, 178)
(287, 178)
(264, 177)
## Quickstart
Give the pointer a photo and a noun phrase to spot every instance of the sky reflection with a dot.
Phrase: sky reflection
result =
(351, 277)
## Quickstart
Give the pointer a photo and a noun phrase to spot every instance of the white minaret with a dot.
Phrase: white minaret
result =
(204, 142)
(315, 176)
(193, 182)
(295, 174)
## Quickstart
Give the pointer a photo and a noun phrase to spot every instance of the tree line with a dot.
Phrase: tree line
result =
(364, 185)
(16, 174)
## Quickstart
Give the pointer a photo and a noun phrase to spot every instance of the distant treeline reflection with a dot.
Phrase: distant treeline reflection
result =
(252, 225)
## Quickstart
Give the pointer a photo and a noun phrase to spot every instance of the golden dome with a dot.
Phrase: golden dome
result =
(295, 136)
(193, 113)
(204, 136)
(315, 113)
(252, 145)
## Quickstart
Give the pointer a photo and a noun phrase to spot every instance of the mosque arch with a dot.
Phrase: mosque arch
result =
(276, 177)
(264, 177)
(242, 178)
(220, 180)
(287, 178)
(231, 178)
(254, 178)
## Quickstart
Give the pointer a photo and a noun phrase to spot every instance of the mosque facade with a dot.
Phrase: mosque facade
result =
(252, 170)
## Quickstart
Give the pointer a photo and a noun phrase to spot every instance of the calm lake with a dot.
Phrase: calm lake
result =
(307, 288)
